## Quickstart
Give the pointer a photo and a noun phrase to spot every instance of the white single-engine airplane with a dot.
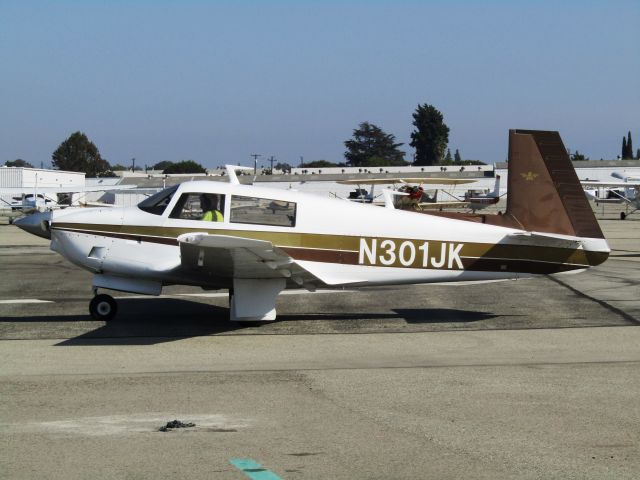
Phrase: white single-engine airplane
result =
(266, 240)
(29, 199)
(627, 191)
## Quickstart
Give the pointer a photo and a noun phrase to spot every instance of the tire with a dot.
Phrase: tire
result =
(623, 215)
(103, 307)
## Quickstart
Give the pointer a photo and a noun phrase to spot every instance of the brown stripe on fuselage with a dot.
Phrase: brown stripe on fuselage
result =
(471, 264)
(345, 249)
(322, 255)
(124, 236)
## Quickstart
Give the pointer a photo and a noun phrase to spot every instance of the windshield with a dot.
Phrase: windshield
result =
(157, 203)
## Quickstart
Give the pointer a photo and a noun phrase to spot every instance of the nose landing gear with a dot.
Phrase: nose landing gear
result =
(103, 307)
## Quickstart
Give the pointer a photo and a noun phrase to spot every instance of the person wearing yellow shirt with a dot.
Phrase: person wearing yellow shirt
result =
(209, 204)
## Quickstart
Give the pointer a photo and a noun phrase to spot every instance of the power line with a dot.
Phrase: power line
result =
(255, 162)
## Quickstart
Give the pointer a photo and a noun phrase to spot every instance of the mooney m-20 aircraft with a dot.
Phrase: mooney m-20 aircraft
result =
(266, 240)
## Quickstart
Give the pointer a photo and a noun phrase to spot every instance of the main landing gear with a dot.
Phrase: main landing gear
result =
(103, 307)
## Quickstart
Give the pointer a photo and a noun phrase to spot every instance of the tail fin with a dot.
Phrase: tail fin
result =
(544, 193)
(496, 187)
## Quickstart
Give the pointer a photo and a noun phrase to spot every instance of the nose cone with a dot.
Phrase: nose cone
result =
(36, 224)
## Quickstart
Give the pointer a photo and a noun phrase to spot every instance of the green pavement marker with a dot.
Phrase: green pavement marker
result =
(253, 469)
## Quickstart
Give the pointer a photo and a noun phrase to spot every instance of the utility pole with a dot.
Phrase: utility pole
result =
(271, 160)
(133, 164)
(255, 162)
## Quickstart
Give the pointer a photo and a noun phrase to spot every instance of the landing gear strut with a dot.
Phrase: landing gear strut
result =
(103, 307)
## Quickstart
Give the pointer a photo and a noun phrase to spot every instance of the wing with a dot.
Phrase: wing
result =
(436, 205)
(589, 183)
(437, 181)
(228, 257)
(70, 189)
(429, 180)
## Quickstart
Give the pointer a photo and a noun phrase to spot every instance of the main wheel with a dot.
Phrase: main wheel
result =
(103, 307)
(623, 215)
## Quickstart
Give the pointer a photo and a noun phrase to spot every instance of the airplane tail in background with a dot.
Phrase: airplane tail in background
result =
(496, 188)
(544, 193)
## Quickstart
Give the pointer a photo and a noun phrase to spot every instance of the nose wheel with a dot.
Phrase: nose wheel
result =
(103, 307)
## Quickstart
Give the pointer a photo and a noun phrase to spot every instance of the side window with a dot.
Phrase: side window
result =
(199, 206)
(263, 211)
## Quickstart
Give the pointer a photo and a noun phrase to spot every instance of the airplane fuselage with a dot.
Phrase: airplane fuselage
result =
(342, 242)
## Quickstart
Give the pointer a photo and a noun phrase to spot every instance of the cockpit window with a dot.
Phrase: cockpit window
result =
(199, 206)
(157, 203)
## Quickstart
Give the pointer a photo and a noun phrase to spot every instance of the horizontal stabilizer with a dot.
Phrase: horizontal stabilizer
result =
(544, 239)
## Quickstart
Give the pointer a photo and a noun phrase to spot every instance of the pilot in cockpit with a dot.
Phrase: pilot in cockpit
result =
(210, 204)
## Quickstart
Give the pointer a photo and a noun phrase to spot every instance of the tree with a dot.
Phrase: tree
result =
(577, 156)
(370, 141)
(283, 167)
(448, 159)
(629, 146)
(118, 168)
(638, 154)
(185, 166)
(78, 154)
(431, 136)
(320, 164)
(457, 159)
(624, 148)
(162, 165)
(18, 162)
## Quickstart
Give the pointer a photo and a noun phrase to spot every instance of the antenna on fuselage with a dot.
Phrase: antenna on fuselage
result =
(231, 172)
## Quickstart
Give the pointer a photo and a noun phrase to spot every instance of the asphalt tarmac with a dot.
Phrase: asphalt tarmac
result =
(523, 379)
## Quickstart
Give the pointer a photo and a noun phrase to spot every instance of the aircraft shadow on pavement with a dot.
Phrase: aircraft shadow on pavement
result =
(194, 319)
(442, 315)
(410, 315)
(144, 322)
(140, 322)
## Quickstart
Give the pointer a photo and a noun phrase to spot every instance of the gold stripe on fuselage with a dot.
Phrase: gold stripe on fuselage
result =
(394, 252)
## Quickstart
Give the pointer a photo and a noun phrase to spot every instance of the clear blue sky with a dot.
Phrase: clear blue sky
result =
(215, 81)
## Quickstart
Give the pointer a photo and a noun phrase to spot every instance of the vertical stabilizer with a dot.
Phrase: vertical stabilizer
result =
(496, 187)
(544, 193)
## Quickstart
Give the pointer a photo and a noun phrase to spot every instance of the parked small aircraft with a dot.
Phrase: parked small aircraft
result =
(29, 199)
(481, 199)
(33, 202)
(418, 199)
(413, 187)
(627, 191)
(266, 240)
(473, 199)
